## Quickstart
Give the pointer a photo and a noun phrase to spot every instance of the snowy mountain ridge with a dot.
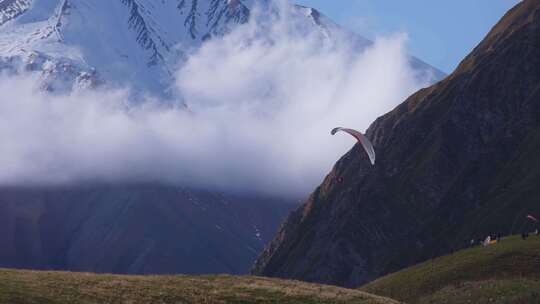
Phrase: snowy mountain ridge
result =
(136, 43)
(131, 40)
(10, 9)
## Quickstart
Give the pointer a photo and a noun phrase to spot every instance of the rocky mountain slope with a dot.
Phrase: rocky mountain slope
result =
(455, 161)
(134, 229)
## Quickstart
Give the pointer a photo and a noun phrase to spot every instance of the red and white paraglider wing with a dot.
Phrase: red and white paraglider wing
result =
(532, 218)
(364, 141)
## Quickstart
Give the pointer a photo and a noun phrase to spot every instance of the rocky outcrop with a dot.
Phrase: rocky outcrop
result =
(455, 161)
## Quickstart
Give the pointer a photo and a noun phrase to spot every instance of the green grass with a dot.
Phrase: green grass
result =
(507, 272)
(491, 291)
(28, 287)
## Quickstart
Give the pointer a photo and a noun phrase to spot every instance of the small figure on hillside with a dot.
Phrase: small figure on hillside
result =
(535, 231)
(487, 241)
(524, 235)
(473, 241)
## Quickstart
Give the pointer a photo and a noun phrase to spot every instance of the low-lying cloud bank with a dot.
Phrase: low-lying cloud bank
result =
(261, 103)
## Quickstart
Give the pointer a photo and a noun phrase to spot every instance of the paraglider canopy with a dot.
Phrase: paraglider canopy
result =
(362, 139)
(532, 218)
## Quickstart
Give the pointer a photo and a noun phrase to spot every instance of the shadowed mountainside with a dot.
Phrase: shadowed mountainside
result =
(134, 229)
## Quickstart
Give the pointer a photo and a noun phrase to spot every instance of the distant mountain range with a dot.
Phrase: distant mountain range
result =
(456, 161)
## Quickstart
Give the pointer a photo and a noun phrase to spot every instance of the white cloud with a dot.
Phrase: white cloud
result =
(262, 102)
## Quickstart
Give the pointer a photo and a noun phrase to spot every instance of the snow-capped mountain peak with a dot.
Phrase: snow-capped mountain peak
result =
(10, 9)
(136, 43)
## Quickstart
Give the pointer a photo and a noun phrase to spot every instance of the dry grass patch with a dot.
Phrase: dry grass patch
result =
(29, 287)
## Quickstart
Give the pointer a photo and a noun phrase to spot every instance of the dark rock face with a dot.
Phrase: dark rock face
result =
(456, 161)
(135, 229)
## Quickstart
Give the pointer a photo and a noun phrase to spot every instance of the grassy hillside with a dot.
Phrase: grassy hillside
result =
(507, 272)
(61, 287)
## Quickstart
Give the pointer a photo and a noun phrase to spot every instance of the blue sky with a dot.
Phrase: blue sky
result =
(441, 33)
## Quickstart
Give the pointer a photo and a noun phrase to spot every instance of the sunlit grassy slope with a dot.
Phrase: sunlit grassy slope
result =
(61, 287)
(507, 272)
